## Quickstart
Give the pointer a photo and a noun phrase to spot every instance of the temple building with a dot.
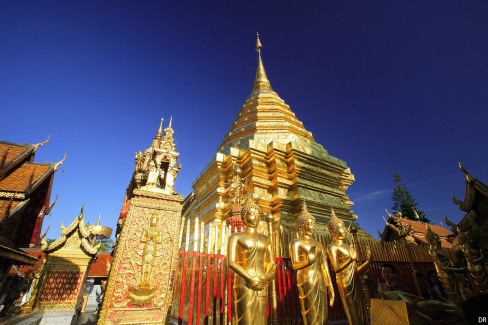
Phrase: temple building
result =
(25, 193)
(269, 154)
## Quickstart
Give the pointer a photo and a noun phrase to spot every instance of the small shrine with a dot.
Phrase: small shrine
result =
(61, 280)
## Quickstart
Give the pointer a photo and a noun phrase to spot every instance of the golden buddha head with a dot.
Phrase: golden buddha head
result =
(336, 226)
(250, 213)
(305, 221)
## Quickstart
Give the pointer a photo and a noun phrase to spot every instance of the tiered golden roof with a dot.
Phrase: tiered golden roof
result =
(280, 161)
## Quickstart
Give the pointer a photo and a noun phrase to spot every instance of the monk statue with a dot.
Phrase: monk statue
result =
(343, 259)
(309, 259)
(444, 269)
(249, 255)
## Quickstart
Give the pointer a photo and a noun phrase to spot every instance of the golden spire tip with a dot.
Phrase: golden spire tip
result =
(258, 43)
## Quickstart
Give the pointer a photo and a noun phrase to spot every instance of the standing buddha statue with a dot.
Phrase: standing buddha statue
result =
(249, 255)
(309, 259)
(343, 259)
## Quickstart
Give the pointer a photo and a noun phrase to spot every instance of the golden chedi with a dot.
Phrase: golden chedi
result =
(309, 259)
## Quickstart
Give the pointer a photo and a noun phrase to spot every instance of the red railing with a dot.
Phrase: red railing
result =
(202, 291)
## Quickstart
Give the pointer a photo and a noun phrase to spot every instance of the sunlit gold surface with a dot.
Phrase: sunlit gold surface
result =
(139, 284)
(281, 162)
(61, 279)
(348, 274)
(249, 255)
(309, 258)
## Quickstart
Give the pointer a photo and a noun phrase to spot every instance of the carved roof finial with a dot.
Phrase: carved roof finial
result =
(469, 178)
(40, 144)
(50, 207)
(261, 81)
(56, 166)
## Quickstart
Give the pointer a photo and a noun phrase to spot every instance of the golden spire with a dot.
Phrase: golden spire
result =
(261, 81)
(159, 135)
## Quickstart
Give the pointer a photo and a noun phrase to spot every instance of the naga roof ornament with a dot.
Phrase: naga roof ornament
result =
(81, 236)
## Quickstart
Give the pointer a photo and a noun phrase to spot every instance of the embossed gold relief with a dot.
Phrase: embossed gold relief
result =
(138, 288)
(144, 258)
(145, 290)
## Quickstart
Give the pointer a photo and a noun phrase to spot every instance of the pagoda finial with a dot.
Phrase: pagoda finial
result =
(159, 134)
(170, 121)
(261, 81)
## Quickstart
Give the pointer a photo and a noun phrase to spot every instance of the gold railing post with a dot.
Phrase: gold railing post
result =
(273, 293)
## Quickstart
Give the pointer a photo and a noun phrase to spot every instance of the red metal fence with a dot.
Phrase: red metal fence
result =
(202, 287)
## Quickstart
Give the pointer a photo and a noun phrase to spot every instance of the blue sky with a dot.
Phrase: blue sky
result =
(384, 85)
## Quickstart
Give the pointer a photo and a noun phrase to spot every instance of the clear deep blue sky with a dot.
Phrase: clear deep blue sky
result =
(384, 85)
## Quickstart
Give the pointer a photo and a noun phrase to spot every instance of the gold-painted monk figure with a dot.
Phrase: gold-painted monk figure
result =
(309, 258)
(151, 236)
(343, 259)
(249, 255)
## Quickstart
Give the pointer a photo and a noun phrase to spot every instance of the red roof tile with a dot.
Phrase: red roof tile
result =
(98, 269)
(14, 150)
(18, 180)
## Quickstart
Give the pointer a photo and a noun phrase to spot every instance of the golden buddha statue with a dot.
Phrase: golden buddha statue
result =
(249, 255)
(309, 259)
(343, 259)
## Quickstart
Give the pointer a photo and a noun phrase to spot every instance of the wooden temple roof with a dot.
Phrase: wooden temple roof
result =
(418, 230)
(26, 177)
(25, 190)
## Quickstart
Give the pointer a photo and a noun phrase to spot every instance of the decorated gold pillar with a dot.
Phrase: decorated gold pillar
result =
(139, 284)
